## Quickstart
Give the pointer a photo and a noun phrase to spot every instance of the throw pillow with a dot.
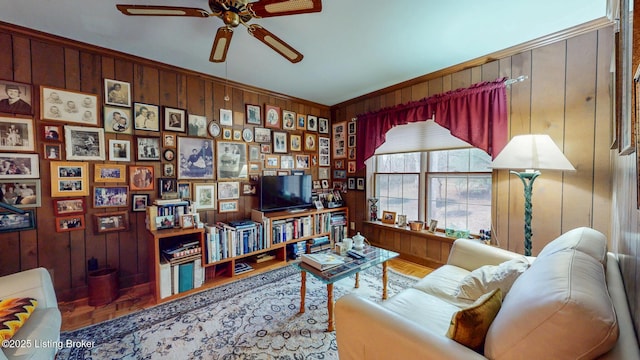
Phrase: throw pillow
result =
(489, 277)
(13, 314)
(469, 326)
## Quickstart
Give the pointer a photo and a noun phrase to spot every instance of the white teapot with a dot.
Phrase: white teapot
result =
(358, 241)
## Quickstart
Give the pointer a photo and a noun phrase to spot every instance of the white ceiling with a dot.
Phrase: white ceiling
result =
(351, 48)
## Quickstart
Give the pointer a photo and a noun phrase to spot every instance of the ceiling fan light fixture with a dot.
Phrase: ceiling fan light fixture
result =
(231, 19)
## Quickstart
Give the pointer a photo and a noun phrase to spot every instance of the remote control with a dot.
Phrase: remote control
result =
(354, 254)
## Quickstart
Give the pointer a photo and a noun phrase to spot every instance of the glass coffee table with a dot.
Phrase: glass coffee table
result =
(373, 256)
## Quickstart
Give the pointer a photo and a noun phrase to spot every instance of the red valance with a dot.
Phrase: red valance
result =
(477, 115)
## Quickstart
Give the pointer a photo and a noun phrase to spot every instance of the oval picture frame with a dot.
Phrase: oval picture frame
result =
(214, 129)
(247, 135)
(169, 155)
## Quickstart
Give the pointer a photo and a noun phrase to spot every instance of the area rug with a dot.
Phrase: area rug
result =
(253, 318)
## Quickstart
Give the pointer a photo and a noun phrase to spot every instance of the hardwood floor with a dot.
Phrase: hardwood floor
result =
(79, 314)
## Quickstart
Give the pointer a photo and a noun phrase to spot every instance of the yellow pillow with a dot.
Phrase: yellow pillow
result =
(469, 326)
(13, 314)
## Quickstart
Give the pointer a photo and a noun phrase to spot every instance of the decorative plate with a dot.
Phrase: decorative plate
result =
(247, 135)
(214, 129)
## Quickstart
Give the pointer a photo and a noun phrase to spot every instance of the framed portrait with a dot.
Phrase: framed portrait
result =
(228, 190)
(195, 158)
(288, 120)
(287, 162)
(254, 152)
(18, 222)
(302, 161)
(20, 193)
(310, 142)
(69, 179)
(271, 162)
(316, 185)
(148, 148)
(228, 206)
(169, 140)
(184, 190)
(110, 173)
(52, 151)
(169, 154)
(166, 185)
(265, 148)
(117, 93)
(272, 116)
(351, 167)
(110, 196)
(51, 132)
(351, 127)
(226, 117)
(139, 202)
(16, 134)
(174, 119)
(301, 121)
(248, 189)
(84, 143)
(247, 135)
(168, 170)
(197, 125)
(254, 167)
(324, 183)
(323, 173)
(351, 183)
(16, 97)
(227, 134)
(111, 221)
(388, 217)
(68, 106)
(147, 117)
(360, 183)
(262, 135)
(186, 221)
(117, 120)
(119, 150)
(323, 125)
(232, 160)
(237, 135)
(214, 129)
(340, 174)
(295, 142)
(312, 123)
(351, 153)
(280, 142)
(15, 165)
(70, 223)
(253, 114)
(339, 140)
(141, 177)
(433, 225)
(205, 196)
(64, 207)
(351, 142)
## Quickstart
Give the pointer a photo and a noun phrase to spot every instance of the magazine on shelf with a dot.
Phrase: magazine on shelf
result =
(322, 261)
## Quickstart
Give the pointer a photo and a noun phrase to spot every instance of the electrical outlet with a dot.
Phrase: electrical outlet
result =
(352, 225)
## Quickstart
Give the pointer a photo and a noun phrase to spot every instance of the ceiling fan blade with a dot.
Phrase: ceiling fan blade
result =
(221, 44)
(151, 10)
(268, 8)
(275, 43)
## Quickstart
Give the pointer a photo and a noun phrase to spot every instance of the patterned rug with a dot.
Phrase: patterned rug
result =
(253, 318)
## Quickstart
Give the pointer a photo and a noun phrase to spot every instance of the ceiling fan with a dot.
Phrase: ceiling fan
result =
(234, 13)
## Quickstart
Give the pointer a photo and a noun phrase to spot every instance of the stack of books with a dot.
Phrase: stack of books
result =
(241, 267)
(322, 261)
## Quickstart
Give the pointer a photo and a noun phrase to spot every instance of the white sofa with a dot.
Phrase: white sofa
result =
(41, 332)
(569, 304)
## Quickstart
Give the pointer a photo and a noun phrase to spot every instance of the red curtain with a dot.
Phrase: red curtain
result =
(477, 115)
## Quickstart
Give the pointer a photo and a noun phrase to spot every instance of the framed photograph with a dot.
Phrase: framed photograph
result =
(339, 164)
(301, 121)
(147, 117)
(214, 129)
(69, 106)
(110, 196)
(19, 166)
(20, 193)
(169, 140)
(316, 185)
(232, 161)
(51, 132)
(16, 98)
(360, 183)
(302, 161)
(66, 207)
(228, 206)
(351, 154)
(287, 162)
(165, 221)
(205, 196)
(197, 125)
(16, 134)
(310, 142)
(139, 202)
(70, 223)
(253, 114)
(272, 116)
(117, 120)
(339, 140)
(323, 125)
(262, 135)
(247, 135)
(265, 149)
(324, 183)
(119, 150)
(169, 155)
(288, 120)
(184, 190)
(111, 221)
(110, 173)
(226, 117)
(323, 173)
(228, 190)
(69, 179)
(248, 189)
(254, 167)
(340, 174)
(312, 123)
(17, 222)
(388, 217)
(195, 158)
(351, 127)
(148, 148)
(174, 119)
(166, 185)
(351, 167)
(295, 142)
(186, 221)
(433, 225)
(168, 170)
(254, 152)
(351, 183)
(352, 141)
(52, 151)
(237, 135)
(269, 173)
(227, 134)
(283, 172)
(84, 143)
(271, 162)
(141, 177)
(117, 93)
(280, 142)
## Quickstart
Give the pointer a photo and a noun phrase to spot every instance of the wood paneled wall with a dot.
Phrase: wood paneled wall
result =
(40, 59)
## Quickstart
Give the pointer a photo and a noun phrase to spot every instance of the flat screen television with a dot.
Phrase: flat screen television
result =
(285, 192)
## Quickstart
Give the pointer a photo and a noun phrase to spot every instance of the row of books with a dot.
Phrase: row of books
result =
(166, 213)
(290, 229)
(229, 240)
(180, 274)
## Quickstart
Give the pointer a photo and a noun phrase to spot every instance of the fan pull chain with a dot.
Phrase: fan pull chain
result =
(226, 81)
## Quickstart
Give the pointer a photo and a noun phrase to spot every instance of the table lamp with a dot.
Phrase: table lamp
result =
(530, 153)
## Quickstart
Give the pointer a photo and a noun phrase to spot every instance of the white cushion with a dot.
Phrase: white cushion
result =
(587, 240)
(490, 277)
(429, 311)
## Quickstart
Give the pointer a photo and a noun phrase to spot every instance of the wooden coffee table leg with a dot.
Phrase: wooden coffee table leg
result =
(330, 326)
(357, 280)
(303, 289)
(384, 280)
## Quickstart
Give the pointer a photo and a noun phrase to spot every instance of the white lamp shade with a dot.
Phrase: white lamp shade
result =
(532, 152)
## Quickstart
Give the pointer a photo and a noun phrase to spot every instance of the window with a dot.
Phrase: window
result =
(457, 184)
